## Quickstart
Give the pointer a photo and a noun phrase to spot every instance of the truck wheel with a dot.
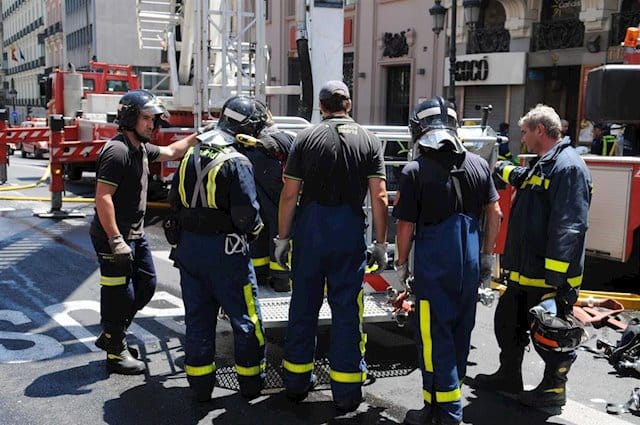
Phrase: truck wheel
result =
(38, 154)
(23, 153)
(73, 173)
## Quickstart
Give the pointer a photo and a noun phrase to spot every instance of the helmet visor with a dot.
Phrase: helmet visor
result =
(441, 139)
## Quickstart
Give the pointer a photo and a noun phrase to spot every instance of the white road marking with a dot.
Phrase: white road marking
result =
(44, 347)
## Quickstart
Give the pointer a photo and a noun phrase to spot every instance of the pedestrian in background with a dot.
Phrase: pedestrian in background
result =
(214, 195)
(334, 163)
(544, 254)
(127, 273)
(442, 199)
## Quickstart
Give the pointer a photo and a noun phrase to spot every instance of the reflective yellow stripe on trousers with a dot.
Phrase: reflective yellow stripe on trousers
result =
(260, 262)
(425, 335)
(297, 367)
(113, 280)
(251, 371)
(252, 312)
(541, 283)
(200, 370)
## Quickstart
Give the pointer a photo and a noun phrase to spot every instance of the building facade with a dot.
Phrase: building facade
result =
(519, 53)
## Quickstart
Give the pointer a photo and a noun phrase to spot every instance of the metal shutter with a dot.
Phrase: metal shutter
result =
(486, 95)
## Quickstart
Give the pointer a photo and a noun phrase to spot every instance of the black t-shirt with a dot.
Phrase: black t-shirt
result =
(427, 192)
(127, 169)
(335, 159)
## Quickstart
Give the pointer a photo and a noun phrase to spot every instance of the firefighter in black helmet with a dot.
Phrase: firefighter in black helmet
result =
(442, 196)
(127, 273)
(250, 122)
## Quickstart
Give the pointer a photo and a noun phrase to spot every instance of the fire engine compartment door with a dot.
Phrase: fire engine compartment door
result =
(609, 211)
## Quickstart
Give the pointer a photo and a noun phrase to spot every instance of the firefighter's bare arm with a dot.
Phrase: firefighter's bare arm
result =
(379, 206)
(176, 150)
(105, 209)
(287, 207)
(493, 215)
(403, 242)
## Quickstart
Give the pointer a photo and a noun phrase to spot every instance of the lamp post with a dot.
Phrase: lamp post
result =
(12, 95)
(438, 13)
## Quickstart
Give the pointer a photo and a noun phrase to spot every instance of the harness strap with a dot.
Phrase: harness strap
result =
(199, 187)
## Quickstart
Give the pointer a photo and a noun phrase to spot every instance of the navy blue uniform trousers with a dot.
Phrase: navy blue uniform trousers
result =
(446, 288)
(124, 291)
(210, 279)
(328, 248)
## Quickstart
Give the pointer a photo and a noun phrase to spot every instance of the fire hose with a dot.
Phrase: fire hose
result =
(44, 177)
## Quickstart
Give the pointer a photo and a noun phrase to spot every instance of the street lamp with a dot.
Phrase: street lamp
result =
(438, 13)
(12, 95)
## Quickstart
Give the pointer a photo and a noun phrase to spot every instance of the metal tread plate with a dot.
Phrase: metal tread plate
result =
(275, 310)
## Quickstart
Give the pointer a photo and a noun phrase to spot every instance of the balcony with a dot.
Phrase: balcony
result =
(619, 24)
(561, 34)
(488, 40)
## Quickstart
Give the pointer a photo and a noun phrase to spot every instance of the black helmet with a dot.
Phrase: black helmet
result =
(432, 114)
(136, 101)
(244, 115)
(433, 124)
(552, 333)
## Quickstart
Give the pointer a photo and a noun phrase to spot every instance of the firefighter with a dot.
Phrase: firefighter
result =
(335, 162)
(214, 195)
(127, 273)
(544, 254)
(250, 121)
(442, 196)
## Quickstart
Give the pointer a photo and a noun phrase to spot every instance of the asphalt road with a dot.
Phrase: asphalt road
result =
(52, 374)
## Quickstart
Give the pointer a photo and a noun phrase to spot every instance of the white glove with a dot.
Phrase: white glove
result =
(486, 269)
(122, 256)
(403, 274)
(378, 257)
(281, 252)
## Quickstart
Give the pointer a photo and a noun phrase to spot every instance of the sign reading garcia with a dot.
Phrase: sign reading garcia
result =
(489, 69)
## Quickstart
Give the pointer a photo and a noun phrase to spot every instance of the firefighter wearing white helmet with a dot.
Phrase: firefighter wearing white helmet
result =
(442, 196)
(544, 254)
(127, 273)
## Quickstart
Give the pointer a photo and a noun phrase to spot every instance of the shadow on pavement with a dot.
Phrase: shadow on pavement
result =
(489, 408)
(74, 381)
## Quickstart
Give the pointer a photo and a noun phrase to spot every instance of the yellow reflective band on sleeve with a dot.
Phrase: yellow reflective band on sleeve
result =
(253, 313)
(427, 396)
(211, 185)
(113, 280)
(448, 396)
(288, 176)
(556, 265)
(348, 377)
(200, 370)
(260, 262)
(107, 182)
(541, 283)
(297, 368)
(425, 335)
(251, 371)
(537, 181)
(363, 336)
(181, 175)
(506, 172)
(275, 266)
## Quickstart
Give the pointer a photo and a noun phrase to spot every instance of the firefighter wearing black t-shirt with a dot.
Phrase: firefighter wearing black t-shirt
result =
(215, 196)
(249, 120)
(334, 163)
(127, 273)
(442, 196)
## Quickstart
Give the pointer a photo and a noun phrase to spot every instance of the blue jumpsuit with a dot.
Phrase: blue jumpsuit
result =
(334, 159)
(446, 269)
(215, 266)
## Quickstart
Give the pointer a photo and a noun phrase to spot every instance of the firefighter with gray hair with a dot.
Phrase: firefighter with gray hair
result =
(442, 198)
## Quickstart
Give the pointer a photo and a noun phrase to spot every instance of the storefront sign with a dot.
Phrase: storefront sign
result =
(489, 69)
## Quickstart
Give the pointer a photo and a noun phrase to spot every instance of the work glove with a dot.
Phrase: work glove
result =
(122, 256)
(565, 297)
(206, 128)
(486, 268)
(517, 176)
(281, 252)
(378, 257)
(403, 274)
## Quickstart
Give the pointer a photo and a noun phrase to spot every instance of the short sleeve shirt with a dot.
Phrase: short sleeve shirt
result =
(334, 159)
(127, 169)
(427, 193)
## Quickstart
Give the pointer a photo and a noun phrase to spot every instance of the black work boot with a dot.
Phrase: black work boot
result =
(101, 343)
(202, 386)
(508, 377)
(280, 284)
(419, 416)
(551, 392)
(119, 359)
